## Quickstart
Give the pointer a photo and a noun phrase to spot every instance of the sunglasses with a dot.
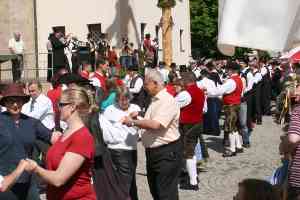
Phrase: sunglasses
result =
(62, 104)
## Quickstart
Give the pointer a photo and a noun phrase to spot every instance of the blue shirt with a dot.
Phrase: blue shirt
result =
(109, 100)
(17, 141)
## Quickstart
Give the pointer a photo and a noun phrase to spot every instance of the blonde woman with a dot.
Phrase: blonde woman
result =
(70, 159)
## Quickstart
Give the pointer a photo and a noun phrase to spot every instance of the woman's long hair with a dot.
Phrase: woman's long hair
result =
(84, 101)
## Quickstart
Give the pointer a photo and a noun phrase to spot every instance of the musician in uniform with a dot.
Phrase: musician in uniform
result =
(231, 91)
(266, 89)
(92, 45)
(58, 46)
(247, 98)
(257, 114)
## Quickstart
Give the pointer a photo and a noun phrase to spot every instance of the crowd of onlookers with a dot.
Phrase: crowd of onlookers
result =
(88, 124)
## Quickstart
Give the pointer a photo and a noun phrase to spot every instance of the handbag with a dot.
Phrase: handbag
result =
(108, 183)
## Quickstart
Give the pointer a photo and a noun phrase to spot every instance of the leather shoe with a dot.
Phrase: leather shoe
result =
(229, 154)
(188, 186)
(239, 150)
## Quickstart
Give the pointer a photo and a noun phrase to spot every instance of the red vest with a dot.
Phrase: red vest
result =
(193, 113)
(234, 98)
(102, 80)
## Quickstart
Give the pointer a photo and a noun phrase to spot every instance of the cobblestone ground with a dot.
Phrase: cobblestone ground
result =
(221, 179)
(220, 182)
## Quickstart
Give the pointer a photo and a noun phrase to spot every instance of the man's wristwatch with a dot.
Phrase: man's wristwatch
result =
(132, 123)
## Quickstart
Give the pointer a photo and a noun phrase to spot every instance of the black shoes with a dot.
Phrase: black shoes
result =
(188, 186)
(246, 145)
(229, 154)
(241, 150)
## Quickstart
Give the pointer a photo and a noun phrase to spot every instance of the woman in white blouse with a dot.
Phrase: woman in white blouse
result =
(121, 139)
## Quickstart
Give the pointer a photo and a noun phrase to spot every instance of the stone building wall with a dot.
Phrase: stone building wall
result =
(17, 15)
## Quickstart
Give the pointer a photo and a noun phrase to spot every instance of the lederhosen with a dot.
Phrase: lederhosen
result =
(231, 110)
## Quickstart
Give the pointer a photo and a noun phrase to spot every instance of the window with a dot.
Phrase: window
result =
(61, 29)
(95, 31)
(143, 27)
(181, 40)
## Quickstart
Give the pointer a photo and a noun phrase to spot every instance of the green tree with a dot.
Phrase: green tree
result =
(204, 27)
(204, 30)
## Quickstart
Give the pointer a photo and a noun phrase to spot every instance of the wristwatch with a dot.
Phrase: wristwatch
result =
(132, 123)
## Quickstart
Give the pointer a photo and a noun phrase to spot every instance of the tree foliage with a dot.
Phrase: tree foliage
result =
(204, 30)
(166, 3)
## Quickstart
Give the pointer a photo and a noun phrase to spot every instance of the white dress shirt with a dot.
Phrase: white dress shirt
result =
(16, 46)
(226, 88)
(40, 109)
(165, 74)
(197, 72)
(250, 80)
(116, 134)
(184, 98)
(263, 70)
(208, 85)
(137, 86)
(257, 77)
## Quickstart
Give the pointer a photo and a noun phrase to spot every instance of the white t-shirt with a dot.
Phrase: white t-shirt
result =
(17, 46)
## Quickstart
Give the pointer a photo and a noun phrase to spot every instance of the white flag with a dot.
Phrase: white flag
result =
(272, 25)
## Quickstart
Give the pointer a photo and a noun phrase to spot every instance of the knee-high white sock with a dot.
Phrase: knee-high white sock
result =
(232, 142)
(191, 165)
(237, 140)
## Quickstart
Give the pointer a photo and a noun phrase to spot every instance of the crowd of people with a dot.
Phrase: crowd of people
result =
(88, 124)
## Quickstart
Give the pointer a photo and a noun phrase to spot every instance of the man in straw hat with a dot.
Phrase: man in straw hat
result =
(18, 135)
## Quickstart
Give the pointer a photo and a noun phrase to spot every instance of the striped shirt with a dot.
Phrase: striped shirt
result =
(294, 128)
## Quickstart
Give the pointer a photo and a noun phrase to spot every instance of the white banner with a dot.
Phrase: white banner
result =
(272, 25)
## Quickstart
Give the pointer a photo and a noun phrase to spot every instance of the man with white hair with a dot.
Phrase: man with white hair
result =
(16, 47)
(161, 138)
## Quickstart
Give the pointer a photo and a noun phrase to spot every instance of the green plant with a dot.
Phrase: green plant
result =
(166, 3)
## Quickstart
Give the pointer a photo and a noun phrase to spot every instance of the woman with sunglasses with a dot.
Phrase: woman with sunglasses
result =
(70, 159)
(17, 139)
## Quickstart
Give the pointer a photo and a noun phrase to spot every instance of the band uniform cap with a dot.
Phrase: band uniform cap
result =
(14, 90)
(133, 68)
(69, 78)
(233, 66)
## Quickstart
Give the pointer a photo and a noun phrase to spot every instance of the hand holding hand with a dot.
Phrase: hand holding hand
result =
(127, 121)
(134, 115)
(22, 164)
(31, 165)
